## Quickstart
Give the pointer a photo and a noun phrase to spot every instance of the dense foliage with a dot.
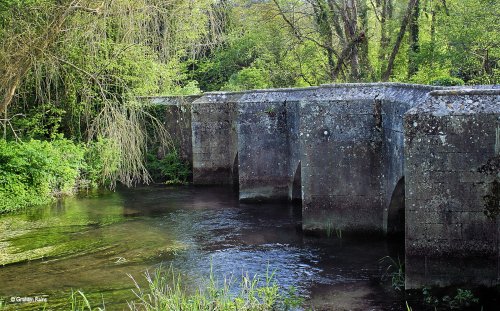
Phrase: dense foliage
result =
(74, 67)
(34, 172)
(282, 43)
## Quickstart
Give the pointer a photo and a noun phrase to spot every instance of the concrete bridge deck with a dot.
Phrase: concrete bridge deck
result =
(364, 159)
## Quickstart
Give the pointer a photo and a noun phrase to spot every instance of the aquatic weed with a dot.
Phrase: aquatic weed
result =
(80, 302)
(395, 271)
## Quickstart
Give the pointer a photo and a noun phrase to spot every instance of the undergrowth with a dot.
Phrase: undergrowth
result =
(168, 168)
(36, 171)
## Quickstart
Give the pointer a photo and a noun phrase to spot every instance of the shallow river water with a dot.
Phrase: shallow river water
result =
(92, 244)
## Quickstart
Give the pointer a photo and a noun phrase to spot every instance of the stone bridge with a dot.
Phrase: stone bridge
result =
(363, 159)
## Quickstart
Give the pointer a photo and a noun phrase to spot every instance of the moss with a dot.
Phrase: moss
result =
(492, 201)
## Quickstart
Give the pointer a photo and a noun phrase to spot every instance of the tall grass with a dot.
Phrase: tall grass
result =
(80, 302)
(166, 291)
(395, 271)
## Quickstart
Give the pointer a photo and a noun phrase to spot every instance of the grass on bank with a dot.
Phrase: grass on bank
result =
(166, 290)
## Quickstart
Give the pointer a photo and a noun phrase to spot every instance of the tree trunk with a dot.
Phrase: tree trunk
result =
(352, 29)
(399, 39)
(384, 34)
(433, 33)
(36, 48)
(9, 93)
(414, 41)
(366, 68)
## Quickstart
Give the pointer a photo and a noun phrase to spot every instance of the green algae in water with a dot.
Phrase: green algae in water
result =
(79, 226)
(87, 243)
(56, 230)
(108, 299)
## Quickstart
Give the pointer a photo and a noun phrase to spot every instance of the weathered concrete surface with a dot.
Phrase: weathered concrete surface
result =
(214, 138)
(452, 153)
(176, 115)
(395, 100)
(340, 159)
(351, 153)
(268, 146)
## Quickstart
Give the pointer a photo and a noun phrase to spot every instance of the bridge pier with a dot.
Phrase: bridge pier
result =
(214, 138)
(268, 144)
(452, 155)
(341, 161)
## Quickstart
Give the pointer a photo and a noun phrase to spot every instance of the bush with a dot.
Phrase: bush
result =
(35, 172)
(447, 81)
(248, 79)
(169, 168)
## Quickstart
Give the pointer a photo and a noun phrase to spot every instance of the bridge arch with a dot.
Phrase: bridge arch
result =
(396, 212)
(297, 185)
(235, 176)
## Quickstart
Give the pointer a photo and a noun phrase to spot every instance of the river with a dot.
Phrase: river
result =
(94, 242)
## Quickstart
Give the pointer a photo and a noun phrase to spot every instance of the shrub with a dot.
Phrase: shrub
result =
(169, 168)
(35, 172)
(447, 81)
(248, 79)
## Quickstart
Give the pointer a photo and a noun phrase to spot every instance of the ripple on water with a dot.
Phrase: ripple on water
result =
(93, 243)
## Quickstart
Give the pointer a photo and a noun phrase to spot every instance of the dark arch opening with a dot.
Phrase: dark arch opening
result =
(235, 174)
(297, 185)
(396, 213)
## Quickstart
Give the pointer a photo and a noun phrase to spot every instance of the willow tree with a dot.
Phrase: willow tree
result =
(91, 58)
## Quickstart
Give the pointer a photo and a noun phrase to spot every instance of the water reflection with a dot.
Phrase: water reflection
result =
(92, 243)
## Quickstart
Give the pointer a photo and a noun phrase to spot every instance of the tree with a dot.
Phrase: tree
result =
(90, 58)
(399, 39)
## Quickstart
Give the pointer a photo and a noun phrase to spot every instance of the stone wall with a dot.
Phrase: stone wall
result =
(214, 138)
(352, 154)
(176, 115)
(341, 160)
(268, 146)
(452, 154)
(394, 102)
